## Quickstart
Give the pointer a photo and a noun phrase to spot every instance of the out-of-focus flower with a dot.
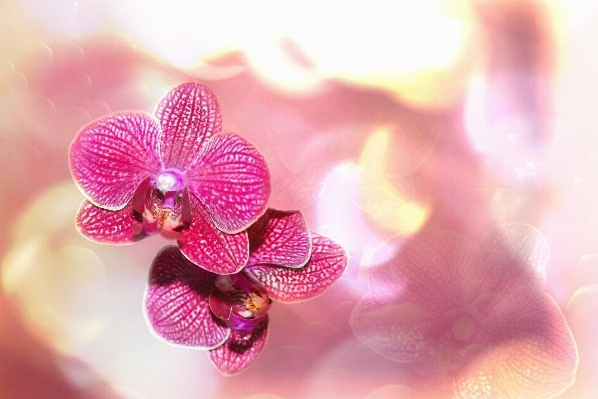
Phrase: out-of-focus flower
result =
(172, 173)
(227, 314)
(475, 314)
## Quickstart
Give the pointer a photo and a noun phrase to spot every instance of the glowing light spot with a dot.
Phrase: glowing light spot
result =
(380, 198)
(474, 118)
(414, 50)
(60, 285)
(61, 290)
(417, 51)
(184, 34)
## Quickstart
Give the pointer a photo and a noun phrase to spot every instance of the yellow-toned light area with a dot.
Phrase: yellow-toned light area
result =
(417, 51)
(50, 283)
(513, 370)
(60, 285)
(385, 203)
(182, 32)
(190, 34)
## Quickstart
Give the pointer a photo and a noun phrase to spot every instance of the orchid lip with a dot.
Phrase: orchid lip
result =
(240, 302)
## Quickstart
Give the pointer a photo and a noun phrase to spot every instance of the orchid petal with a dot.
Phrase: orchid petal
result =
(326, 265)
(395, 331)
(141, 194)
(239, 352)
(232, 180)
(279, 238)
(510, 255)
(107, 227)
(532, 348)
(532, 355)
(109, 157)
(425, 271)
(210, 248)
(185, 206)
(176, 302)
(189, 114)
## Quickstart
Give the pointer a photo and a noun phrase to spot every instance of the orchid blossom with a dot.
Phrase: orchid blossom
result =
(227, 314)
(172, 173)
(475, 315)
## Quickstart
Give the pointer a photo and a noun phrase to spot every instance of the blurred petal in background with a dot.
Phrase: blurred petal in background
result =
(377, 120)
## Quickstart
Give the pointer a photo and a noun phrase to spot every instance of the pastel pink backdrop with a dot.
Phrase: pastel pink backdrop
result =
(377, 121)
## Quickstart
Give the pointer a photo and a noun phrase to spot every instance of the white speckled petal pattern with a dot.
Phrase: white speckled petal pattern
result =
(326, 265)
(210, 248)
(232, 180)
(176, 302)
(189, 114)
(109, 157)
(104, 226)
(279, 238)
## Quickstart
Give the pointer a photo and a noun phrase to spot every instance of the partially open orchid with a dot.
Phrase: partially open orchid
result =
(475, 314)
(172, 173)
(227, 314)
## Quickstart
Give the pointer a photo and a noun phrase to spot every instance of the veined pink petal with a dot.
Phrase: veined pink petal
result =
(238, 352)
(232, 180)
(176, 302)
(509, 256)
(107, 227)
(530, 353)
(425, 271)
(326, 265)
(109, 157)
(210, 248)
(189, 114)
(279, 238)
(395, 331)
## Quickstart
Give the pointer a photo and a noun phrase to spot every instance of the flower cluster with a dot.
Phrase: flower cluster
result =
(176, 174)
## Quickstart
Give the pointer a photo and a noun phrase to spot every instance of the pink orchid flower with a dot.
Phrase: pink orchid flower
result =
(473, 315)
(172, 173)
(227, 314)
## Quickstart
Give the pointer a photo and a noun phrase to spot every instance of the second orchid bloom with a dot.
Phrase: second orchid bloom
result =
(227, 314)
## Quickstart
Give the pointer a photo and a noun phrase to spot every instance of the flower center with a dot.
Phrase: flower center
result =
(239, 301)
(163, 204)
(170, 184)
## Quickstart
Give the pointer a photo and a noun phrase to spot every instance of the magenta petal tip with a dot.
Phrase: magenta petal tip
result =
(237, 353)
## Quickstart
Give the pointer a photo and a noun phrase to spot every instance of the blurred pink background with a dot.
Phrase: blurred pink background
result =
(376, 120)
